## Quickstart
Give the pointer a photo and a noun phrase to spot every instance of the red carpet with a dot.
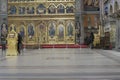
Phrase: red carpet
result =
(63, 46)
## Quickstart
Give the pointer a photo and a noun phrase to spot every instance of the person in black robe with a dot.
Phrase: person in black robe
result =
(19, 46)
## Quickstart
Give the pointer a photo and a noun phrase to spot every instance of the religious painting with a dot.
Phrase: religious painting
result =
(12, 10)
(70, 29)
(21, 10)
(30, 10)
(41, 9)
(69, 9)
(51, 9)
(60, 9)
(31, 32)
(61, 32)
(42, 33)
(91, 5)
(51, 29)
(91, 22)
(22, 31)
(4, 29)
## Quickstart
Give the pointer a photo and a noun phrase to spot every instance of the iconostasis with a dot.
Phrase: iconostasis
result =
(43, 21)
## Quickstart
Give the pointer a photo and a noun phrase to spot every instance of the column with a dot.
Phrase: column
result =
(79, 22)
(117, 34)
(3, 13)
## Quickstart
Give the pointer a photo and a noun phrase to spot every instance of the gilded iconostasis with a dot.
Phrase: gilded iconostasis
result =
(43, 21)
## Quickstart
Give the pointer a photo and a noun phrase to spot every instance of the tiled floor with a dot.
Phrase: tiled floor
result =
(61, 64)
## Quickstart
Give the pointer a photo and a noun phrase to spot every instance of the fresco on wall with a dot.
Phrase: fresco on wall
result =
(91, 5)
(91, 22)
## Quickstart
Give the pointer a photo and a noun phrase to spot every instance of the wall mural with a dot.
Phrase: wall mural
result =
(91, 5)
(91, 23)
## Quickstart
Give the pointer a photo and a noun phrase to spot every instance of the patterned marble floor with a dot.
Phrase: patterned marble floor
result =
(61, 64)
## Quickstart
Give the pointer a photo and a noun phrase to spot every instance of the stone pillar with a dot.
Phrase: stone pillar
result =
(78, 19)
(118, 34)
(3, 13)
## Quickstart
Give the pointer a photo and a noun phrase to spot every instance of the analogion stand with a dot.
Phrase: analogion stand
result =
(12, 41)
